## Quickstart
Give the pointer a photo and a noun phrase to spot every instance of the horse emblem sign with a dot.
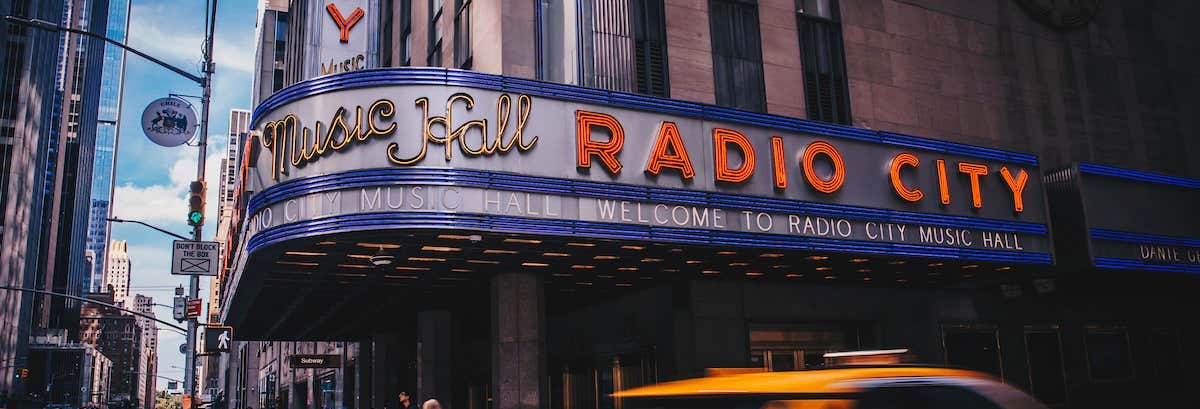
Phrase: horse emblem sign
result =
(169, 121)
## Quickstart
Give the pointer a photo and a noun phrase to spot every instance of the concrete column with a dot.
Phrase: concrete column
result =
(518, 359)
(433, 357)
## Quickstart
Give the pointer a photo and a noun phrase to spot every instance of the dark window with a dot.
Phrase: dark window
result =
(1108, 353)
(737, 54)
(650, 47)
(1043, 353)
(823, 61)
(462, 34)
(434, 58)
(623, 45)
(389, 25)
(397, 26)
(405, 53)
(973, 347)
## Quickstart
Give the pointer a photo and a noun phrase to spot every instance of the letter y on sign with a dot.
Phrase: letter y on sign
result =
(344, 23)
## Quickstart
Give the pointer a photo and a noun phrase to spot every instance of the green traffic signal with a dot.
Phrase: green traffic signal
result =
(194, 217)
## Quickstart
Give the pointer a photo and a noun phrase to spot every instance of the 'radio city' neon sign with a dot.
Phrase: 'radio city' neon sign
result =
(669, 152)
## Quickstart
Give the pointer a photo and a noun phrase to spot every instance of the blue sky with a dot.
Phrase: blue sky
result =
(151, 181)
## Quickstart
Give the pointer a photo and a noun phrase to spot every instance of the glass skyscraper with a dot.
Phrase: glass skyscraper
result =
(106, 140)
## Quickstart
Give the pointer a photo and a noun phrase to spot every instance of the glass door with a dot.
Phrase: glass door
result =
(973, 346)
(790, 347)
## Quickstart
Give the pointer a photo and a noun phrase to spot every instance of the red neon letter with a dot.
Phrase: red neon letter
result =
(344, 23)
(1017, 186)
(777, 160)
(586, 147)
(669, 152)
(839, 167)
(901, 160)
(722, 138)
(943, 186)
(975, 170)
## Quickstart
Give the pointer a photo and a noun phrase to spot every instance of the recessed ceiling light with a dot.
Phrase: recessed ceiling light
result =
(583, 283)
(627, 269)
(403, 276)
(794, 275)
(606, 276)
(754, 274)
(496, 251)
(866, 278)
(897, 262)
(771, 255)
(710, 272)
(556, 254)
(936, 264)
(522, 241)
(816, 258)
(427, 259)
(676, 250)
(407, 268)
(969, 266)
(483, 261)
(562, 275)
(304, 253)
(605, 258)
(670, 270)
(440, 248)
(634, 247)
(968, 275)
(461, 270)
(582, 244)
(354, 266)
(723, 253)
(739, 264)
(693, 261)
(379, 245)
(859, 260)
(326, 243)
(454, 237)
(830, 277)
(651, 260)
(532, 264)
(583, 266)
(901, 280)
(297, 263)
(863, 270)
(362, 256)
(824, 268)
(780, 266)
(1005, 268)
(624, 285)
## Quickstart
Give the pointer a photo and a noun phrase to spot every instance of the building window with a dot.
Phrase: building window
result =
(622, 45)
(823, 61)
(462, 34)
(737, 54)
(434, 58)
(973, 346)
(1043, 355)
(1108, 355)
(397, 24)
(405, 52)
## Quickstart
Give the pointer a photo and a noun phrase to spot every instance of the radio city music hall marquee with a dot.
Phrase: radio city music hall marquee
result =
(602, 164)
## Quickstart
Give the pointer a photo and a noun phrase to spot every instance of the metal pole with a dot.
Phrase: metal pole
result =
(198, 229)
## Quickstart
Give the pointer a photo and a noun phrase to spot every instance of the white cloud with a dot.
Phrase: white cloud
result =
(167, 203)
(158, 34)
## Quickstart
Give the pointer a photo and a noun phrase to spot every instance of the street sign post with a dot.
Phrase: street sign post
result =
(315, 361)
(195, 307)
(217, 339)
(198, 258)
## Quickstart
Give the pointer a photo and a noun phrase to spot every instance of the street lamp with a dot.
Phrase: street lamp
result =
(205, 83)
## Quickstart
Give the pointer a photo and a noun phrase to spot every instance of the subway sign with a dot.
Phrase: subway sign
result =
(502, 153)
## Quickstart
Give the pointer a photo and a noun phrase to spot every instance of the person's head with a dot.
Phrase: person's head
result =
(404, 397)
(431, 404)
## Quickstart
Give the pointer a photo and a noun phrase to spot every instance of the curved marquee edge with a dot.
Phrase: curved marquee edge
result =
(598, 230)
(451, 77)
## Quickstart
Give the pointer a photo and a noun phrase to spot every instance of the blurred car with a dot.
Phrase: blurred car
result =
(854, 386)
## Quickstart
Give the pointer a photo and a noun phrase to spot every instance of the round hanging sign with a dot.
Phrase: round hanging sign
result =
(169, 121)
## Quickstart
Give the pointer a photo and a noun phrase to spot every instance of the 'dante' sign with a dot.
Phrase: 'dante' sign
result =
(463, 150)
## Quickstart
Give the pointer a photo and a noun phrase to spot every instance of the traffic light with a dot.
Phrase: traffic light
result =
(196, 204)
(23, 373)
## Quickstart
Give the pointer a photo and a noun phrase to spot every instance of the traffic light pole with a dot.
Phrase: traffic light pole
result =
(198, 228)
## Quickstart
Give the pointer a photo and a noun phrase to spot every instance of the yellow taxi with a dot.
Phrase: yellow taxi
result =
(852, 382)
